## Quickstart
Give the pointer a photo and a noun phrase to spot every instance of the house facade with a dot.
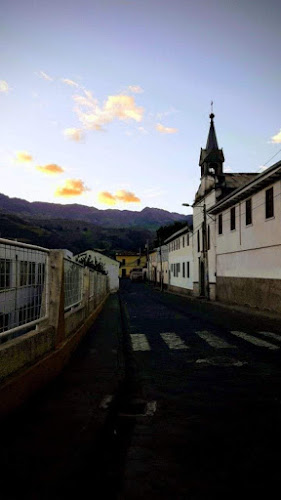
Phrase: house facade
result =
(180, 261)
(237, 232)
(129, 261)
(111, 266)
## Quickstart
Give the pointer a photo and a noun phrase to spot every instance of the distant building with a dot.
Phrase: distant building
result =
(152, 266)
(129, 261)
(111, 266)
(180, 261)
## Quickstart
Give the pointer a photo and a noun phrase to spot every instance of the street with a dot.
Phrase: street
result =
(165, 398)
(215, 380)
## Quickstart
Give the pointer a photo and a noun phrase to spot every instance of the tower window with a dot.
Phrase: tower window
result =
(198, 241)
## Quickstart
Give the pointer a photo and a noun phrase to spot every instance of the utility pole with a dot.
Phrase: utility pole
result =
(205, 249)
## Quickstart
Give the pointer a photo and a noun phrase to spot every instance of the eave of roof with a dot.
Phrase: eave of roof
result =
(259, 182)
(185, 229)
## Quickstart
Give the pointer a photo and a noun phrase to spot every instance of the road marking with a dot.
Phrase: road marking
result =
(254, 340)
(272, 335)
(173, 341)
(214, 341)
(139, 342)
(221, 362)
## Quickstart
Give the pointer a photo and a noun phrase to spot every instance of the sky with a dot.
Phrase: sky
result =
(106, 103)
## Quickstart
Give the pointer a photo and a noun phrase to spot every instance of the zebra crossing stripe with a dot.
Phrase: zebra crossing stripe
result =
(173, 341)
(214, 341)
(254, 340)
(139, 342)
(274, 336)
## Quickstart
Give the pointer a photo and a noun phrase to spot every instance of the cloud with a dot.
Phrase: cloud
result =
(276, 139)
(51, 169)
(44, 75)
(228, 170)
(74, 134)
(136, 89)
(71, 187)
(106, 198)
(165, 130)
(126, 196)
(122, 195)
(4, 87)
(23, 157)
(116, 107)
(71, 83)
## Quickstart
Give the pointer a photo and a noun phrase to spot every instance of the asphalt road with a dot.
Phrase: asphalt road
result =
(212, 379)
(165, 398)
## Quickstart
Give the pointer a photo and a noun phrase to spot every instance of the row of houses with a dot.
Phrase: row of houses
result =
(232, 253)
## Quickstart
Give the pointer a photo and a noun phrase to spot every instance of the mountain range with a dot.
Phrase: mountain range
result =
(150, 218)
(79, 227)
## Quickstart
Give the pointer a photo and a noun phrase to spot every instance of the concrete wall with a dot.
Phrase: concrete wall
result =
(249, 256)
(32, 359)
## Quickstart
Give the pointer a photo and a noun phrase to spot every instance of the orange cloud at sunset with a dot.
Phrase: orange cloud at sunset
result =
(127, 196)
(51, 169)
(23, 157)
(74, 134)
(106, 198)
(165, 130)
(136, 89)
(72, 187)
(116, 107)
(110, 199)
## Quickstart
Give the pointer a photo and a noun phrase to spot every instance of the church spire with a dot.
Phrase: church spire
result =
(212, 142)
(211, 158)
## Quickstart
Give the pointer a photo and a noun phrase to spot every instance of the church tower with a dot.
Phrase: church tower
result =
(211, 163)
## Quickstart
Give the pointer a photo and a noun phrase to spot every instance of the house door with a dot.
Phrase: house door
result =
(202, 278)
(123, 273)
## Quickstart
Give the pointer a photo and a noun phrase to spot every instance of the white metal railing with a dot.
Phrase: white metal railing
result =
(24, 285)
(92, 280)
(73, 283)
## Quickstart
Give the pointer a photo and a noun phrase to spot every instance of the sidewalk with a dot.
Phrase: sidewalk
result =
(63, 441)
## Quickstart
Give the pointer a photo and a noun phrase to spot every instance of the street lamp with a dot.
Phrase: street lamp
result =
(205, 244)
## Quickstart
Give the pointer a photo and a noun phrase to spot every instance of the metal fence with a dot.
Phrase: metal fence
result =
(73, 283)
(24, 283)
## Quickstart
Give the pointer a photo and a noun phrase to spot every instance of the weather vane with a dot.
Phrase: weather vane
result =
(212, 102)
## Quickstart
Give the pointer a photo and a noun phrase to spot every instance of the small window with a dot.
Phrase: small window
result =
(198, 241)
(220, 223)
(248, 211)
(183, 269)
(232, 219)
(209, 238)
(123, 262)
(269, 203)
(183, 242)
(187, 239)
(187, 269)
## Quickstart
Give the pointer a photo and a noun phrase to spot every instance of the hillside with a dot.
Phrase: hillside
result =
(149, 218)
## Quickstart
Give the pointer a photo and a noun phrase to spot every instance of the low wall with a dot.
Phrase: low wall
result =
(260, 293)
(32, 359)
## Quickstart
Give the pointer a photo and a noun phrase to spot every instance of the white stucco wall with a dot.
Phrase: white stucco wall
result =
(111, 267)
(253, 250)
(179, 254)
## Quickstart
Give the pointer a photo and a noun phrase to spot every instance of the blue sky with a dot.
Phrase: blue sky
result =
(106, 103)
